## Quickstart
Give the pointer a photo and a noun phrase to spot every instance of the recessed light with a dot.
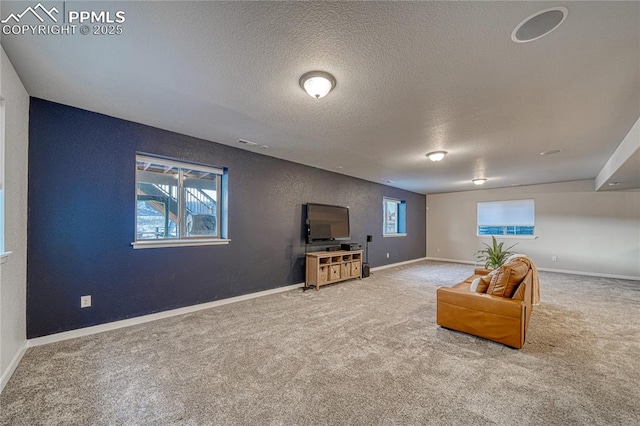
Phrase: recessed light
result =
(389, 181)
(264, 146)
(248, 143)
(614, 183)
(436, 155)
(479, 181)
(539, 24)
(551, 152)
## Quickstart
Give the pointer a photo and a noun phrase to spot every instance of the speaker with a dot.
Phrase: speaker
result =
(366, 271)
(369, 238)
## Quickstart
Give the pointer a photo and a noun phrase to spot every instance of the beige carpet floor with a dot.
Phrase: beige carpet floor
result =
(362, 352)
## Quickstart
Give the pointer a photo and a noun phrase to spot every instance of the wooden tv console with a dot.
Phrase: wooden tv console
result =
(328, 267)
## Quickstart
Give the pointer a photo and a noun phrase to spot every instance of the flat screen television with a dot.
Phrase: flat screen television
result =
(326, 222)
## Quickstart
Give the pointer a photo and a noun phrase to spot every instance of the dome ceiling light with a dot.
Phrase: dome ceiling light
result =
(317, 83)
(479, 181)
(436, 155)
(539, 24)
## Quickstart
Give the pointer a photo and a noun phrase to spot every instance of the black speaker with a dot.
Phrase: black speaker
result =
(365, 270)
(369, 238)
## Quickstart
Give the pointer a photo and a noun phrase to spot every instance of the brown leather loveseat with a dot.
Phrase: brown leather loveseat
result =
(496, 306)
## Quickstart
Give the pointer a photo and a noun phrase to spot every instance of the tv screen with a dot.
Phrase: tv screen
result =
(325, 222)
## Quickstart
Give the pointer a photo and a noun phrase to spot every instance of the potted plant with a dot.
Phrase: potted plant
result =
(493, 255)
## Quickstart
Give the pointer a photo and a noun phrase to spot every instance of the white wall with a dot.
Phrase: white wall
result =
(13, 272)
(590, 232)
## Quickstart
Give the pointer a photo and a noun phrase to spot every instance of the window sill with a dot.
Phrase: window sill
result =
(510, 237)
(4, 257)
(179, 243)
(393, 235)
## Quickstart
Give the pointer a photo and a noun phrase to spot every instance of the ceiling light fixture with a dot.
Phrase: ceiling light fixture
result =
(479, 181)
(317, 83)
(539, 24)
(436, 155)
(614, 183)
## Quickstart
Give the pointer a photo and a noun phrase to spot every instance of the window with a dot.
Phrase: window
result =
(178, 203)
(513, 217)
(394, 216)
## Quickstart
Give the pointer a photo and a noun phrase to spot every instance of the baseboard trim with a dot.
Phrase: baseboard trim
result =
(6, 376)
(101, 328)
(591, 274)
(560, 271)
(439, 259)
(393, 265)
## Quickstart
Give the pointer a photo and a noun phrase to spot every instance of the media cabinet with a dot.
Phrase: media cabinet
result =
(328, 267)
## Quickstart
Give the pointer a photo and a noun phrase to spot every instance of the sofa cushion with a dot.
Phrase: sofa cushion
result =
(485, 280)
(519, 293)
(507, 279)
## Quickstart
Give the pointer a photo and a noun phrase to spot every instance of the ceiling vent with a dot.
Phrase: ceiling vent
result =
(247, 143)
(539, 24)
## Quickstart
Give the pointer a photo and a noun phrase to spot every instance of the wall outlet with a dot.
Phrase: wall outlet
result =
(387, 255)
(554, 258)
(85, 301)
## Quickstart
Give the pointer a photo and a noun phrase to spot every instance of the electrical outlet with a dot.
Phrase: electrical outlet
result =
(387, 255)
(554, 258)
(85, 301)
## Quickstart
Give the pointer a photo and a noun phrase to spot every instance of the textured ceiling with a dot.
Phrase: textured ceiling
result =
(411, 78)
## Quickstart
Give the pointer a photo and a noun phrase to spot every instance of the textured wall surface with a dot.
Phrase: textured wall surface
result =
(82, 217)
(588, 231)
(13, 273)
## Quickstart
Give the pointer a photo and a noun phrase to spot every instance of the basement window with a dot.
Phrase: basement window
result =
(179, 204)
(394, 214)
(511, 218)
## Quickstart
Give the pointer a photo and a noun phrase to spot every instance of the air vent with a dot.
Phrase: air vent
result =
(247, 143)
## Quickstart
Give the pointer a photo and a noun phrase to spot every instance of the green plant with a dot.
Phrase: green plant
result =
(493, 256)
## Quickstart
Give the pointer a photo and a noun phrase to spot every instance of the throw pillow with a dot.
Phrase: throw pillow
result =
(485, 280)
(474, 285)
(509, 276)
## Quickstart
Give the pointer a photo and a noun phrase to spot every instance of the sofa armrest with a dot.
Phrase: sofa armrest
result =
(481, 302)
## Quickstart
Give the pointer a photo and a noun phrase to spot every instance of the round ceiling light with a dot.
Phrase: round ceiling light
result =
(436, 155)
(539, 24)
(317, 83)
(479, 181)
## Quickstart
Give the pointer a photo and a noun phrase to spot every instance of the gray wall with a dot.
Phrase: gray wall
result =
(13, 273)
(82, 222)
(588, 231)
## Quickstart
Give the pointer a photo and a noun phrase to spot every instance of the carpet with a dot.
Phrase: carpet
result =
(360, 352)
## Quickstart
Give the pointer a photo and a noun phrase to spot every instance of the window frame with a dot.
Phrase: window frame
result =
(184, 240)
(505, 226)
(401, 219)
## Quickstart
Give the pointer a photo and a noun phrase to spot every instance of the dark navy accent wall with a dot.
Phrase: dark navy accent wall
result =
(82, 222)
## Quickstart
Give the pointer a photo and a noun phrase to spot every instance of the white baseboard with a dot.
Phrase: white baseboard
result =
(438, 259)
(87, 331)
(393, 265)
(4, 379)
(560, 271)
(591, 274)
